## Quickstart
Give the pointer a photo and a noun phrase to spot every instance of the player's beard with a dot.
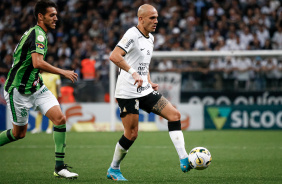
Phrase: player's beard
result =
(47, 25)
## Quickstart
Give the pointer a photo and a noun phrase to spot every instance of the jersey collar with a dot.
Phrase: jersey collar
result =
(42, 29)
(147, 37)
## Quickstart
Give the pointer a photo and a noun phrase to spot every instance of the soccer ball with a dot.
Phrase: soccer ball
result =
(200, 158)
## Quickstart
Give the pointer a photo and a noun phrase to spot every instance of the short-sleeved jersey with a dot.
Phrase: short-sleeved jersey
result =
(23, 75)
(138, 49)
(51, 81)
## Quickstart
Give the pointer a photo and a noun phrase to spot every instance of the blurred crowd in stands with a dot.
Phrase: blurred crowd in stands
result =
(87, 31)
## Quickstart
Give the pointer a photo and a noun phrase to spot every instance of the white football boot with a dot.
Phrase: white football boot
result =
(63, 172)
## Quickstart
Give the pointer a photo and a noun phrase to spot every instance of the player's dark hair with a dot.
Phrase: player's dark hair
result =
(41, 7)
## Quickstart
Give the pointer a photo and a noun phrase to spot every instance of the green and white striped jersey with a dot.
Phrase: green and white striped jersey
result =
(23, 75)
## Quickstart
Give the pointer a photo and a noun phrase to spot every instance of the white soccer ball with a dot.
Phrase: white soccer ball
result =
(200, 158)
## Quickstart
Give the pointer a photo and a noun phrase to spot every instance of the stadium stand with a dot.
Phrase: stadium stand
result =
(91, 29)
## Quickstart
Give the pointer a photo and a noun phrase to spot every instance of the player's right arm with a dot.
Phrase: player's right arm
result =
(117, 58)
(39, 63)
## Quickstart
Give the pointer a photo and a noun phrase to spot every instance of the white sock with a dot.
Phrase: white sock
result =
(179, 144)
(119, 154)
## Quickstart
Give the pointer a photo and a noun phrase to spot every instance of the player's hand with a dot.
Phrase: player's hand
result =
(154, 86)
(138, 79)
(71, 75)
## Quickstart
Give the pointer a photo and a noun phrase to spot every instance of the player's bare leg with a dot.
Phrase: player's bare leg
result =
(130, 123)
(56, 116)
(165, 109)
(11, 135)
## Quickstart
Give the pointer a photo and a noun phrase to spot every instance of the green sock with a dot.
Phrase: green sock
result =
(59, 136)
(6, 137)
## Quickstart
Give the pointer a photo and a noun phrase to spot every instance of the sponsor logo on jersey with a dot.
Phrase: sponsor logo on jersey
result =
(129, 43)
(40, 38)
(40, 46)
(139, 90)
(35, 82)
(143, 68)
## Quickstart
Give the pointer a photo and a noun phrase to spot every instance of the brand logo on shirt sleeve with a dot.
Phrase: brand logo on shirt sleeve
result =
(129, 43)
(40, 46)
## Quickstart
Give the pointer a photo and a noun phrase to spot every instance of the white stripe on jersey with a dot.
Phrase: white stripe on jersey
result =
(139, 50)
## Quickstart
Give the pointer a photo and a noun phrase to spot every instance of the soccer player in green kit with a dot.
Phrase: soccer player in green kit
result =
(24, 88)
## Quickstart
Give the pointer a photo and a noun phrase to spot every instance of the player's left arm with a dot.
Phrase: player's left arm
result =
(154, 85)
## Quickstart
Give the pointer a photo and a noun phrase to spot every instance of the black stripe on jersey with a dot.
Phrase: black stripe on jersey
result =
(122, 49)
(31, 41)
(18, 65)
(147, 37)
(25, 79)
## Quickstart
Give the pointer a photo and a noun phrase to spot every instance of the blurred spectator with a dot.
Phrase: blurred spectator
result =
(259, 74)
(216, 67)
(64, 50)
(5, 65)
(202, 43)
(216, 10)
(88, 69)
(165, 65)
(103, 73)
(277, 38)
(267, 45)
(160, 38)
(255, 44)
(76, 67)
(262, 34)
(271, 73)
(228, 73)
(246, 37)
(242, 75)
(194, 76)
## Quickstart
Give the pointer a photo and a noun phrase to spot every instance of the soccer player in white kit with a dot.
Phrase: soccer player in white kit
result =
(135, 90)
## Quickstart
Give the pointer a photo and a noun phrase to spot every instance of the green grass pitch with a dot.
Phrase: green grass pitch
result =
(238, 157)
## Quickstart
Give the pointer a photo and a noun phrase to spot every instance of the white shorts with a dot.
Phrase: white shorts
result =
(20, 104)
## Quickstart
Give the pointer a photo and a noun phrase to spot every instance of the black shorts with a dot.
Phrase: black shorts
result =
(131, 106)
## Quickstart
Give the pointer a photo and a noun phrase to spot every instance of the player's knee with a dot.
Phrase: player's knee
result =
(175, 116)
(134, 136)
(60, 120)
(20, 135)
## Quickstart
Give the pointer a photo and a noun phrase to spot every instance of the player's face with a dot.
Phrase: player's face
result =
(151, 21)
(50, 18)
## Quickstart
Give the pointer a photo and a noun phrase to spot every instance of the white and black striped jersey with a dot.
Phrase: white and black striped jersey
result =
(138, 49)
